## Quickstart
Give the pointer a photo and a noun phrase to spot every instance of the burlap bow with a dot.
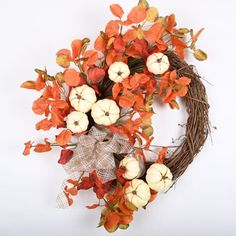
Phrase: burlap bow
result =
(95, 152)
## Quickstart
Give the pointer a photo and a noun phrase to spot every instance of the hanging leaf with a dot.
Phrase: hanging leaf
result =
(117, 10)
(200, 55)
(66, 155)
(93, 206)
(28, 146)
(43, 147)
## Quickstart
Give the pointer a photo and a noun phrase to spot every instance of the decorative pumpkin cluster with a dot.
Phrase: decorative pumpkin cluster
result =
(113, 88)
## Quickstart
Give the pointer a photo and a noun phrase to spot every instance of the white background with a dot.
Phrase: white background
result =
(203, 201)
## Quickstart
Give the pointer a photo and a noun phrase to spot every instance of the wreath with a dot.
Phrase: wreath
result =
(101, 103)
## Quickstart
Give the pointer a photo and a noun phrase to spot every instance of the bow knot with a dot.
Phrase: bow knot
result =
(95, 151)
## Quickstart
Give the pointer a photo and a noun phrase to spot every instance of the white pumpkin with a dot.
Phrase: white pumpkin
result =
(77, 122)
(82, 98)
(118, 71)
(158, 63)
(159, 177)
(105, 112)
(138, 193)
(134, 167)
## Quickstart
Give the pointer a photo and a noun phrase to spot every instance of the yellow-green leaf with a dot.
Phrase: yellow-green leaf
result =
(200, 55)
(148, 131)
(152, 14)
(184, 30)
(143, 3)
(122, 226)
(139, 33)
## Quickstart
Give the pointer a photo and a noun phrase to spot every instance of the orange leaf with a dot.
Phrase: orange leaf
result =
(116, 90)
(28, 146)
(57, 118)
(76, 46)
(171, 23)
(117, 10)
(39, 83)
(111, 57)
(92, 57)
(69, 200)
(100, 43)
(112, 221)
(93, 206)
(183, 81)
(112, 29)
(64, 137)
(130, 35)
(72, 191)
(137, 14)
(126, 101)
(44, 124)
(179, 46)
(96, 74)
(195, 37)
(119, 44)
(65, 52)
(28, 85)
(56, 92)
(154, 33)
(153, 197)
(182, 92)
(72, 77)
(60, 104)
(41, 147)
(39, 106)
(126, 219)
(66, 155)
(161, 155)
(47, 93)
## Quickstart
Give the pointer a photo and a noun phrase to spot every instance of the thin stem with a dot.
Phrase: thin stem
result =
(197, 100)
(57, 145)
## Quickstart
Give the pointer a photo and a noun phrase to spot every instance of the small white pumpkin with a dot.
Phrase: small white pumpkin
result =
(105, 112)
(159, 177)
(158, 63)
(77, 122)
(138, 193)
(118, 71)
(82, 98)
(133, 166)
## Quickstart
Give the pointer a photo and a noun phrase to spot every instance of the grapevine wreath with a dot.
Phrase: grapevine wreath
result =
(101, 103)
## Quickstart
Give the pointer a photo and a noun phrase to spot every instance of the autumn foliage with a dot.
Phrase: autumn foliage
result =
(129, 39)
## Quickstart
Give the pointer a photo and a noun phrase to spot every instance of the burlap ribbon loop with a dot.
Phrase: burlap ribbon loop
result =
(95, 151)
